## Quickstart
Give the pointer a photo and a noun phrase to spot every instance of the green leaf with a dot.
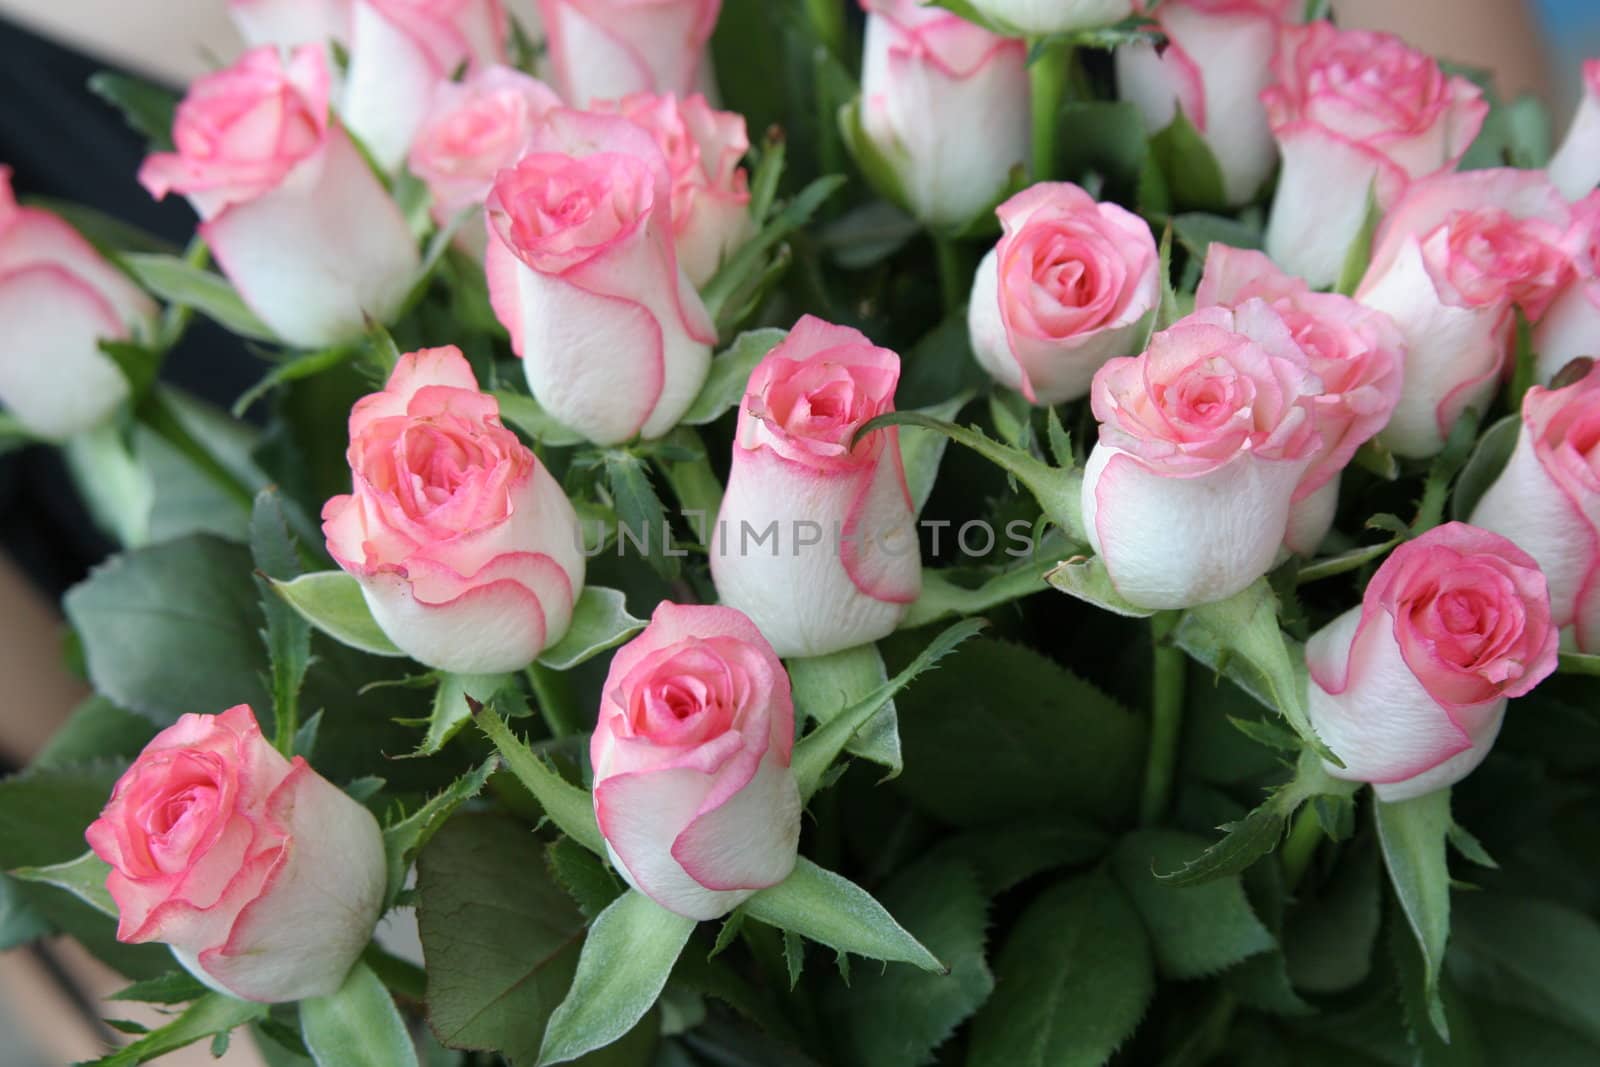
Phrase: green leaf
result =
(1006, 733)
(825, 686)
(740, 278)
(570, 808)
(1532, 954)
(1241, 637)
(332, 602)
(941, 597)
(177, 281)
(212, 1014)
(172, 627)
(174, 987)
(1488, 459)
(1107, 139)
(109, 234)
(1578, 663)
(641, 520)
(358, 1026)
(500, 937)
(814, 753)
(1329, 936)
(300, 367)
(1072, 983)
(585, 876)
(1196, 930)
(527, 415)
(600, 621)
(1345, 562)
(1374, 458)
(1199, 231)
(922, 450)
(84, 878)
(1359, 255)
(146, 107)
(626, 958)
(879, 172)
(1086, 578)
(452, 708)
(831, 910)
(287, 634)
(404, 839)
(1004, 856)
(1191, 170)
(97, 729)
(729, 374)
(942, 903)
(1413, 833)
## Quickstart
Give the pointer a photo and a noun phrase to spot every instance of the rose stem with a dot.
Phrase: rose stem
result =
(954, 282)
(1301, 846)
(1166, 719)
(1047, 76)
(554, 697)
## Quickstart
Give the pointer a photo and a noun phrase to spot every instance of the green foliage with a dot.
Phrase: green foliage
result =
(211, 1015)
(824, 687)
(332, 602)
(730, 372)
(358, 1026)
(180, 282)
(403, 839)
(1413, 835)
(1193, 177)
(836, 912)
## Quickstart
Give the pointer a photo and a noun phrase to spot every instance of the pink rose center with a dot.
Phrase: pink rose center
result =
(246, 116)
(824, 402)
(1393, 86)
(693, 696)
(443, 470)
(1204, 398)
(1470, 617)
(171, 808)
(1490, 255)
(557, 203)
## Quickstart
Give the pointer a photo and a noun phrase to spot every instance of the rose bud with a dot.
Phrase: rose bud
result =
(710, 191)
(840, 563)
(1451, 261)
(294, 215)
(1070, 285)
(582, 272)
(1355, 112)
(1575, 168)
(1216, 61)
(1547, 500)
(292, 23)
(473, 130)
(1038, 18)
(1356, 351)
(605, 49)
(468, 553)
(1203, 442)
(1571, 328)
(263, 877)
(945, 102)
(1409, 689)
(59, 299)
(691, 749)
(400, 50)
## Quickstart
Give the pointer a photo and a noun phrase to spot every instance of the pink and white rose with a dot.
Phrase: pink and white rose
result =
(606, 49)
(1355, 112)
(1215, 63)
(945, 103)
(296, 218)
(1575, 167)
(691, 750)
(292, 23)
(1409, 689)
(474, 129)
(1547, 500)
(840, 562)
(400, 50)
(1357, 352)
(1071, 284)
(1037, 18)
(59, 299)
(1571, 328)
(583, 273)
(710, 190)
(263, 878)
(468, 553)
(1204, 440)
(1452, 260)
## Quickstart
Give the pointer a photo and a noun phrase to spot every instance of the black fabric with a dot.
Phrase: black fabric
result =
(62, 141)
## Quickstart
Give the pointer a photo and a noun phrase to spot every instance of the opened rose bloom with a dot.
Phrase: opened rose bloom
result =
(467, 550)
(584, 275)
(292, 23)
(845, 563)
(1575, 168)
(59, 299)
(691, 750)
(605, 49)
(473, 130)
(1452, 262)
(1547, 500)
(1357, 352)
(710, 190)
(1212, 68)
(1409, 689)
(945, 102)
(1204, 440)
(1570, 329)
(295, 217)
(1356, 114)
(400, 50)
(261, 875)
(1071, 284)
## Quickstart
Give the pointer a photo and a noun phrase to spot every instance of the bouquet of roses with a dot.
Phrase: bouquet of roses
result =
(591, 587)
